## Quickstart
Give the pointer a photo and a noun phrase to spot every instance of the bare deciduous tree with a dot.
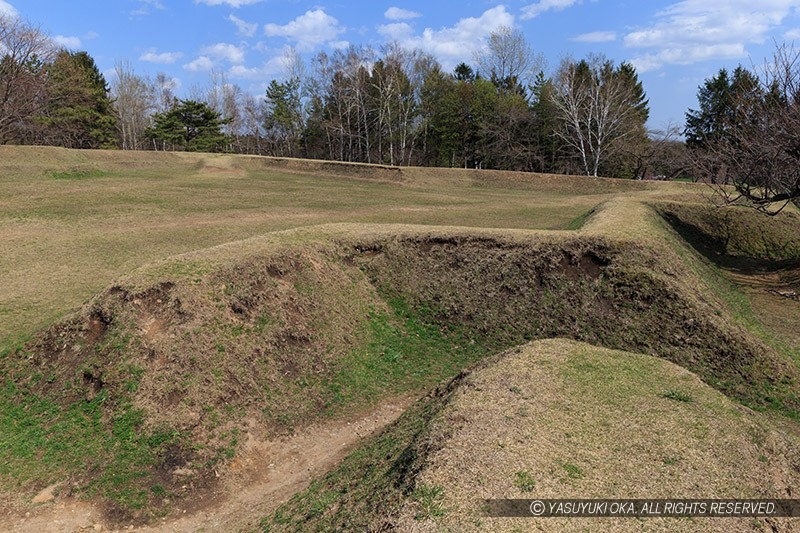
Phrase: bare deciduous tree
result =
(508, 60)
(165, 92)
(24, 50)
(134, 103)
(251, 139)
(757, 161)
(397, 82)
(661, 156)
(600, 107)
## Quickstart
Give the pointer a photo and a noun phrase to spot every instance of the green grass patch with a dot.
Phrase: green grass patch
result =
(579, 221)
(524, 481)
(375, 480)
(677, 395)
(429, 499)
(77, 174)
(94, 442)
(405, 351)
(43, 442)
(572, 471)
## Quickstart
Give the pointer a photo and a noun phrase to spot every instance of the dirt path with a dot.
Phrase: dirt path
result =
(775, 301)
(264, 475)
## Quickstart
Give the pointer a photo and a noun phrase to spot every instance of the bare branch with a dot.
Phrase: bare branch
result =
(24, 50)
(753, 155)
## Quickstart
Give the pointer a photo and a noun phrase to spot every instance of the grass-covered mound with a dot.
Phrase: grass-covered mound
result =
(554, 419)
(72, 222)
(143, 396)
(738, 237)
(622, 295)
(141, 399)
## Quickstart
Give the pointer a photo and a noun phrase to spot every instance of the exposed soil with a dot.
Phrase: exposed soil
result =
(222, 355)
(264, 475)
(616, 295)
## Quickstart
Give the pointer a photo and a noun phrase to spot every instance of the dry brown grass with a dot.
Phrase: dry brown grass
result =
(234, 289)
(71, 222)
(556, 403)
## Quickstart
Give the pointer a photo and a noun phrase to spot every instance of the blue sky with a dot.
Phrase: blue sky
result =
(675, 45)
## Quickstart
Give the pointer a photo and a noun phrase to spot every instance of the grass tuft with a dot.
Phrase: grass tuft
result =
(77, 174)
(677, 395)
(430, 499)
(524, 481)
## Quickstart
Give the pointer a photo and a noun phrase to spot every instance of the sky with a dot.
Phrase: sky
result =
(674, 45)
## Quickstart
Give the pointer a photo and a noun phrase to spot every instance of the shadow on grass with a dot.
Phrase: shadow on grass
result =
(722, 244)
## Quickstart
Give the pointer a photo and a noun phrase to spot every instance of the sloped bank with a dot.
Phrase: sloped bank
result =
(144, 396)
(738, 238)
(619, 295)
(555, 419)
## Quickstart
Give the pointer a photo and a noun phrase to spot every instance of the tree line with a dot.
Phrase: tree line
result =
(744, 138)
(399, 107)
(50, 95)
(394, 106)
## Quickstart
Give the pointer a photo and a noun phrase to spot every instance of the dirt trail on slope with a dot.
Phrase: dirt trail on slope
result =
(264, 475)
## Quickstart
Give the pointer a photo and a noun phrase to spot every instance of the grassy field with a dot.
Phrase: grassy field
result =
(73, 222)
(158, 309)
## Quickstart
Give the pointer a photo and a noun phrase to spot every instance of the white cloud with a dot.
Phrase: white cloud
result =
(166, 58)
(690, 31)
(145, 6)
(396, 31)
(270, 69)
(397, 13)
(201, 64)
(688, 55)
(245, 28)
(242, 72)
(8, 10)
(232, 3)
(278, 63)
(460, 42)
(596, 37)
(211, 55)
(308, 30)
(72, 43)
(534, 10)
(225, 51)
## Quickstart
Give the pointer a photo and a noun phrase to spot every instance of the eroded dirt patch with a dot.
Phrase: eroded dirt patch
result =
(615, 295)
(264, 475)
(186, 366)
